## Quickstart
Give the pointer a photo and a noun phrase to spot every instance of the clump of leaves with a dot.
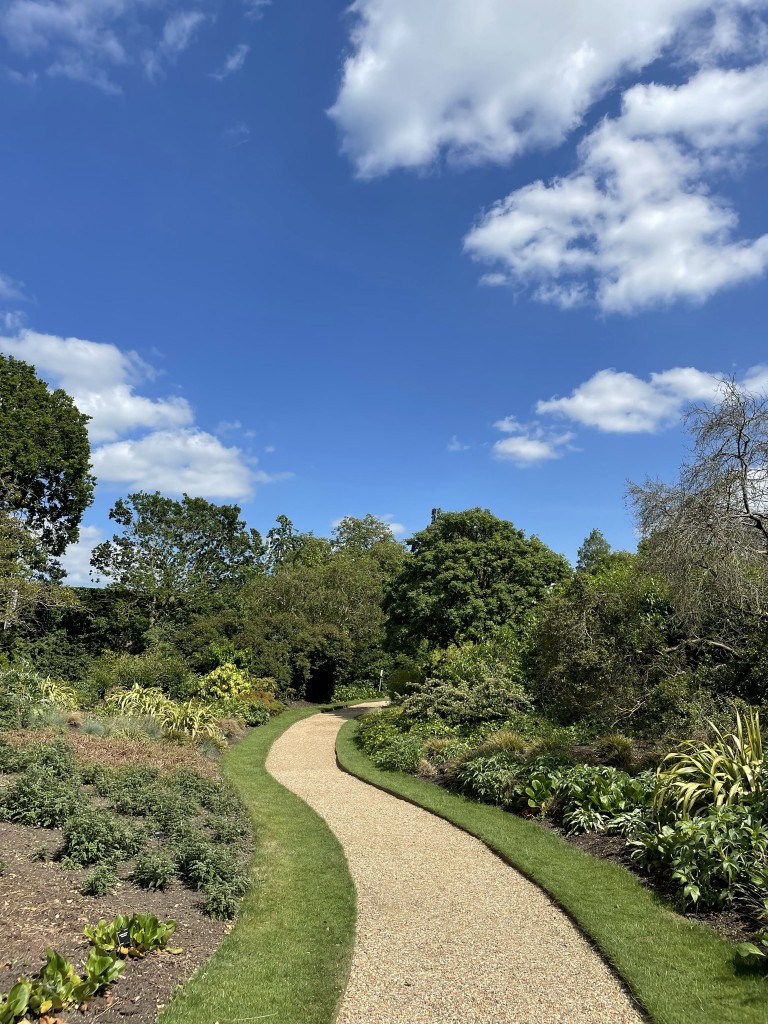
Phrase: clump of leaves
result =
(144, 934)
(615, 750)
(223, 898)
(40, 798)
(729, 771)
(154, 869)
(99, 882)
(97, 837)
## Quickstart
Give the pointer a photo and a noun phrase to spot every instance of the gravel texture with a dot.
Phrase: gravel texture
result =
(446, 932)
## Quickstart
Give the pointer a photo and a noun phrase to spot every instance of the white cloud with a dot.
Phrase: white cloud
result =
(398, 529)
(621, 403)
(256, 9)
(178, 461)
(101, 378)
(233, 63)
(177, 34)
(89, 40)
(10, 290)
(635, 225)
(487, 79)
(455, 445)
(77, 558)
(529, 443)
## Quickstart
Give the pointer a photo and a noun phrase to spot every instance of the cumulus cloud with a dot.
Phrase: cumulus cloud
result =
(234, 62)
(488, 79)
(529, 443)
(77, 559)
(177, 461)
(621, 403)
(142, 442)
(635, 224)
(102, 380)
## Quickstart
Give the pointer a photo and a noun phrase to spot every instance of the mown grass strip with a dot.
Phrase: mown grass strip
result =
(679, 971)
(287, 958)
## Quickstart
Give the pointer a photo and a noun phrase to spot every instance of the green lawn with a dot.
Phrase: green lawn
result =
(288, 954)
(681, 972)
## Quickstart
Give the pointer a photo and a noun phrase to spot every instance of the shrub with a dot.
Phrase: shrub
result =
(145, 934)
(201, 862)
(40, 798)
(155, 668)
(592, 796)
(227, 682)
(354, 692)
(99, 882)
(710, 859)
(229, 829)
(615, 750)
(223, 898)
(401, 754)
(459, 704)
(729, 771)
(485, 777)
(97, 837)
(132, 790)
(154, 869)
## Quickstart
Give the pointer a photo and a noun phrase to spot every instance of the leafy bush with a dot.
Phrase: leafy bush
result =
(354, 692)
(40, 798)
(223, 898)
(154, 869)
(615, 750)
(155, 668)
(486, 777)
(401, 754)
(709, 859)
(378, 728)
(504, 742)
(99, 882)
(177, 720)
(729, 771)
(227, 682)
(591, 796)
(229, 829)
(97, 837)
(200, 862)
(458, 704)
(132, 790)
(23, 699)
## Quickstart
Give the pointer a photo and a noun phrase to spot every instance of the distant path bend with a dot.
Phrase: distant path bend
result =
(446, 932)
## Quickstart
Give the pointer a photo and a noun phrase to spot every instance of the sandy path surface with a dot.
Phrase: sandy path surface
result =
(446, 931)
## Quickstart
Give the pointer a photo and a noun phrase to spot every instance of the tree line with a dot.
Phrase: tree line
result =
(633, 640)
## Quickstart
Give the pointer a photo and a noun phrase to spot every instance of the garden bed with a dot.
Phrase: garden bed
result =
(41, 907)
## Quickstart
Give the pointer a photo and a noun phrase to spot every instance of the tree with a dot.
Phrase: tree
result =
(177, 555)
(707, 534)
(601, 646)
(593, 553)
(45, 456)
(467, 571)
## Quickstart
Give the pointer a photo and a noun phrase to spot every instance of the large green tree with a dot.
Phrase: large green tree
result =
(45, 474)
(467, 572)
(177, 556)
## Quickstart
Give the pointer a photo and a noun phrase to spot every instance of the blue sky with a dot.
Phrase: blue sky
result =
(325, 261)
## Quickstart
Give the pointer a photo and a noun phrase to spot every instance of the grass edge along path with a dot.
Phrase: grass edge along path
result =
(287, 957)
(679, 971)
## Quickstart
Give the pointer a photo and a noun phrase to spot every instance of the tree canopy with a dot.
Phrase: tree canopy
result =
(467, 572)
(44, 456)
(176, 553)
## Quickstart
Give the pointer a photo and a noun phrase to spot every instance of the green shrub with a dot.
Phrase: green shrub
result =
(227, 682)
(729, 771)
(133, 790)
(223, 898)
(710, 860)
(40, 798)
(98, 837)
(355, 692)
(615, 750)
(154, 869)
(99, 882)
(145, 934)
(401, 754)
(12, 759)
(200, 862)
(229, 829)
(591, 796)
(485, 777)
(458, 704)
(504, 742)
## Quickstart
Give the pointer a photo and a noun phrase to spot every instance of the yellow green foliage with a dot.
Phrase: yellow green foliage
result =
(227, 682)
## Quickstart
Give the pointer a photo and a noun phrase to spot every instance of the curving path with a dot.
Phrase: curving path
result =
(446, 932)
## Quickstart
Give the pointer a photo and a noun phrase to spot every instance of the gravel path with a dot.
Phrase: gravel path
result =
(446, 932)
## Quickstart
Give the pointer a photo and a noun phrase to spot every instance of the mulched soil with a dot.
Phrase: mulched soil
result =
(118, 753)
(40, 907)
